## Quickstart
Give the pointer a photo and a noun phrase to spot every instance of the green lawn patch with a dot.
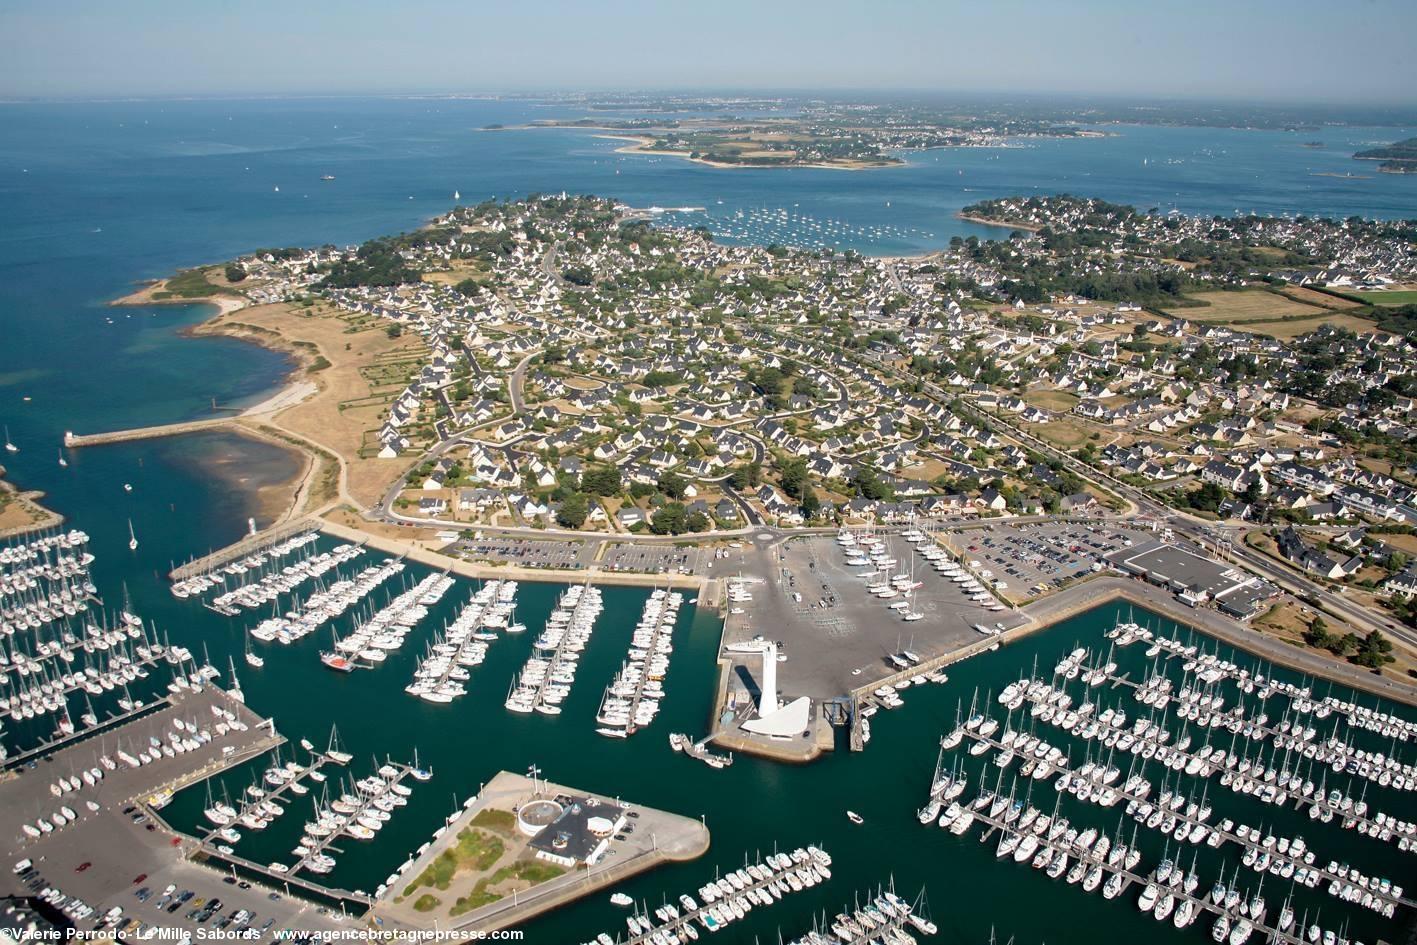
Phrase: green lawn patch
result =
(426, 903)
(1398, 297)
(502, 821)
(531, 872)
(192, 284)
(473, 850)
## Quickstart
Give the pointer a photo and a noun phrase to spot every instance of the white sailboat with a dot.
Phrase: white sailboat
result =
(10, 447)
(132, 538)
(456, 195)
(62, 460)
(252, 659)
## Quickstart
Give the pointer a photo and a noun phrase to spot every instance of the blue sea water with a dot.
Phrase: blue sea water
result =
(95, 196)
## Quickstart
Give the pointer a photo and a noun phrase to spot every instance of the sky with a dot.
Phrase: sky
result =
(1338, 51)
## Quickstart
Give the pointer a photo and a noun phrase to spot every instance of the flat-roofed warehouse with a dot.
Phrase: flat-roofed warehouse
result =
(1190, 576)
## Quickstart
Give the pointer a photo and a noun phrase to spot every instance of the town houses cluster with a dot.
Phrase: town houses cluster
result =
(594, 367)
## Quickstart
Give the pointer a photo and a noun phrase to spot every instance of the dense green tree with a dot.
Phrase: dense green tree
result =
(668, 519)
(601, 480)
(672, 485)
(748, 476)
(573, 510)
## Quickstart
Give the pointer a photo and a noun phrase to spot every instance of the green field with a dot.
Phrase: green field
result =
(1399, 297)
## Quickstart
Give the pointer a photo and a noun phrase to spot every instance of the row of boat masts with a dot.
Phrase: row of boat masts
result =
(1204, 706)
(37, 689)
(545, 680)
(1101, 860)
(868, 551)
(43, 580)
(53, 558)
(1212, 668)
(359, 812)
(218, 576)
(371, 641)
(632, 698)
(1273, 783)
(325, 604)
(726, 899)
(443, 672)
(40, 548)
(881, 920)
(36, 656)
(282, 579)
(1182, 817)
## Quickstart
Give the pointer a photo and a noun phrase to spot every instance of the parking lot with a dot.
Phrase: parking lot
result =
(1037, 559)
(111, 864)
(837, 636)
(528, 552)
(656, 559)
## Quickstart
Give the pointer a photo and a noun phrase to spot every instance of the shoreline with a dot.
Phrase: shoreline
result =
(640, 145)
(1000, 224)
(277, 501)
(305, 355)
(26, 502)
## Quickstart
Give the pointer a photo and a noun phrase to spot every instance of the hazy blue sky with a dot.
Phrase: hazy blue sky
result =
(1295, 50)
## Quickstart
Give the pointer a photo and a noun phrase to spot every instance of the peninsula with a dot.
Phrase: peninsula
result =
(1397, 158)
(841, 135)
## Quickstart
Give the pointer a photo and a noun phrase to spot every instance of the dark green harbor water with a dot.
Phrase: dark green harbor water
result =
(754, 805)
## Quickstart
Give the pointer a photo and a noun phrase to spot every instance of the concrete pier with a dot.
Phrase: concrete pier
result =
(659, 837)
(244, 547)
(75, 440)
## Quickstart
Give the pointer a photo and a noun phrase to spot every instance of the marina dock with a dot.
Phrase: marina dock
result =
(366, 803)
(245, 547)
(706, 913)
(273, 795)
(661, 837)
(1130, 878)
(64, 690)
(1301, 801)
(1181, 816)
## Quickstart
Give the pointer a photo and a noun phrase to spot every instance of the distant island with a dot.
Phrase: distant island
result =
(1398, 158)
(828, 135)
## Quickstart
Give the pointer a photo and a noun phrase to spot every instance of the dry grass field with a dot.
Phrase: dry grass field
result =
(1266, 313)
(1059, 401)
(320, 418)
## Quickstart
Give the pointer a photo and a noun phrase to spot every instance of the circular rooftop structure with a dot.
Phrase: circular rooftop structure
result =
(534, 816)
(601, 827)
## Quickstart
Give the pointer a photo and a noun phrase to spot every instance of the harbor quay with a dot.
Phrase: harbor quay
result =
(839, 647)
(835, 642)
(524, 846)
(115, 845)
(431, 553)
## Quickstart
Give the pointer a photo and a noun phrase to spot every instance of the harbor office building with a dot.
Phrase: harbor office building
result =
(580, 833)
